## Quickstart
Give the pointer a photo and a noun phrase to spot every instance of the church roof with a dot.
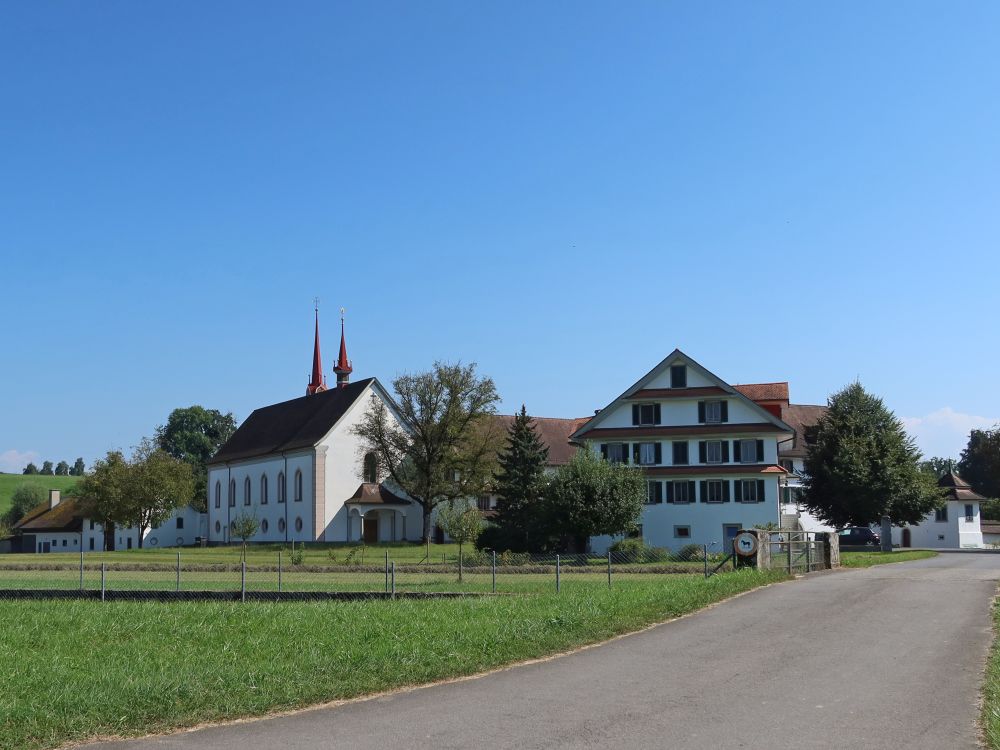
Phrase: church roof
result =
(290, 425)
(375, 494)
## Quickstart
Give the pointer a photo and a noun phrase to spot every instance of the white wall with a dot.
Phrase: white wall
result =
(681, 412)
(705, 520)
(272, 514)
(954, 533)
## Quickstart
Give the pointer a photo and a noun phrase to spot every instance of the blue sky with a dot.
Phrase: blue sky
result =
(560, 192)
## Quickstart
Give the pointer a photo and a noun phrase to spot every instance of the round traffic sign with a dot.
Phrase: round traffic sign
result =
(745, 544)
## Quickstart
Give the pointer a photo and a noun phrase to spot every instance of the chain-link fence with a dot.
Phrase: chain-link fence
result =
(356, 571)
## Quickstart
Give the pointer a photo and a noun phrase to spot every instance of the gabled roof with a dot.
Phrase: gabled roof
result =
(667, 361)
(291, 425)
(554, 433)
(375, 494)
(799, 417)
(958, 488)
(66, 516)
(764, 391)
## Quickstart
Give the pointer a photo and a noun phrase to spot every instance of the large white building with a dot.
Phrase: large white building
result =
(956, 525)
(709, 452)
(296, 467)
(61, 525)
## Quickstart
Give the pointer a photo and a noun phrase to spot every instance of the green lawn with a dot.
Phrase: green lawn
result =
(78, 669)
(991, 687)
(867, 559)
(10, 482)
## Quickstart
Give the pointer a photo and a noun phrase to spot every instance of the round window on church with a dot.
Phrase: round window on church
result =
(281, 525)
(218, 527)
(263, 526)
(298, 524)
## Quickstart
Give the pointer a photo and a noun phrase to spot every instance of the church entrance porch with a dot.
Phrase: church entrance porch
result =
(374, 514)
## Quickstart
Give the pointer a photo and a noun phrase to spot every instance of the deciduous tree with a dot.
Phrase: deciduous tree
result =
(30, 469)
(25, 497)
(980, 462)
(591, 497)
(46, 468)
(443, 444)
(243, 527)
(193, 435)
(863, 467)
(78, 468)
(62, 469)
(142, 491)
(462, 521)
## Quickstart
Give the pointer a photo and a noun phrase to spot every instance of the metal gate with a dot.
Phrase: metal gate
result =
(797, 551)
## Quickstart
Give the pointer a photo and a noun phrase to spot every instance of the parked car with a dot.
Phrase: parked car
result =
(858, 536)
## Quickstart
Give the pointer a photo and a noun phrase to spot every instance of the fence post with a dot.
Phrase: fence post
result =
(392, 573)
(609, 568)
(788, 541)
(243, 581)
(279, 571)
(494, 571)
(704, 549)
(808, 556)
(557, 574)
(178, 571)
(81, 562)
(104, 568)
(460, 571)
(387, 571)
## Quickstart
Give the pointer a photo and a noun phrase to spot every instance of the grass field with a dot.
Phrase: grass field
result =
(77, 669)
(10, 482)
(991, 687)
(867, 559)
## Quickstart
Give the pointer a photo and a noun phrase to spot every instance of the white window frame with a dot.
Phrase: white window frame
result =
(680, 536)
(651, 491)
(708, 488)
(652, 415)
(745, 490)
(751, 444)
(647, 454)
(713, 412)
(708, 451)
(621, 454)
(681, 487)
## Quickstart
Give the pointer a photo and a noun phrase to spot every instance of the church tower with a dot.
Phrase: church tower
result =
(343, 367)
(317, 383)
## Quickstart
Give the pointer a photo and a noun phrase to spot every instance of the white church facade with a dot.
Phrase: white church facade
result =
(296, 467)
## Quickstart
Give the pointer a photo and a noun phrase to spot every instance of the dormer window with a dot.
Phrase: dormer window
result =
(645, 414)
(678, 376)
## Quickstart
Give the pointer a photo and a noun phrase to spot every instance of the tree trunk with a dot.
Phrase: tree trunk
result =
(885, 542)
(427, 523)
(142, 533)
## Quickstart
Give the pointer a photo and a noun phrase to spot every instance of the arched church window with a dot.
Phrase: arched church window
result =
(246, 491)
(232, 493)
(218, 494)
(298, 486)
(263, 489)
(281, 486)
(371, 468)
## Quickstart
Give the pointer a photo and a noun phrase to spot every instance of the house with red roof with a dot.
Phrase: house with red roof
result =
(709, 451)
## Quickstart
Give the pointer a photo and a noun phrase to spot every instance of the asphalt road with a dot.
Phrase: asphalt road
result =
(888, 657)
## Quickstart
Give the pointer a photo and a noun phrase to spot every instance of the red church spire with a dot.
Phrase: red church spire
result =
(343, 367)
(318, 382)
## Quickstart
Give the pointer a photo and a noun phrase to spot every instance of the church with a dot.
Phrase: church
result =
(298, 468)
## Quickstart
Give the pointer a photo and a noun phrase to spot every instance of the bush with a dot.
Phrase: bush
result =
(477, 558)
(636, 550)
(513, 558)
(691, 552)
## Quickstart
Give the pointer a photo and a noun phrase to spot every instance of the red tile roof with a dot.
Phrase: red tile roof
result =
(554, 433)
(764, 391)
(376, 494)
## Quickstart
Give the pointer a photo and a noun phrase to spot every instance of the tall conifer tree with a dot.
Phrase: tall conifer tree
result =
(520, 482)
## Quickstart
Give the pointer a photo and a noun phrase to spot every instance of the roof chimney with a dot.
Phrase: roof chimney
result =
(53, 498)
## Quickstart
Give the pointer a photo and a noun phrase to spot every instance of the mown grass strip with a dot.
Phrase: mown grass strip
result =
(991, 687)
(867, 559)
(80, 669)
